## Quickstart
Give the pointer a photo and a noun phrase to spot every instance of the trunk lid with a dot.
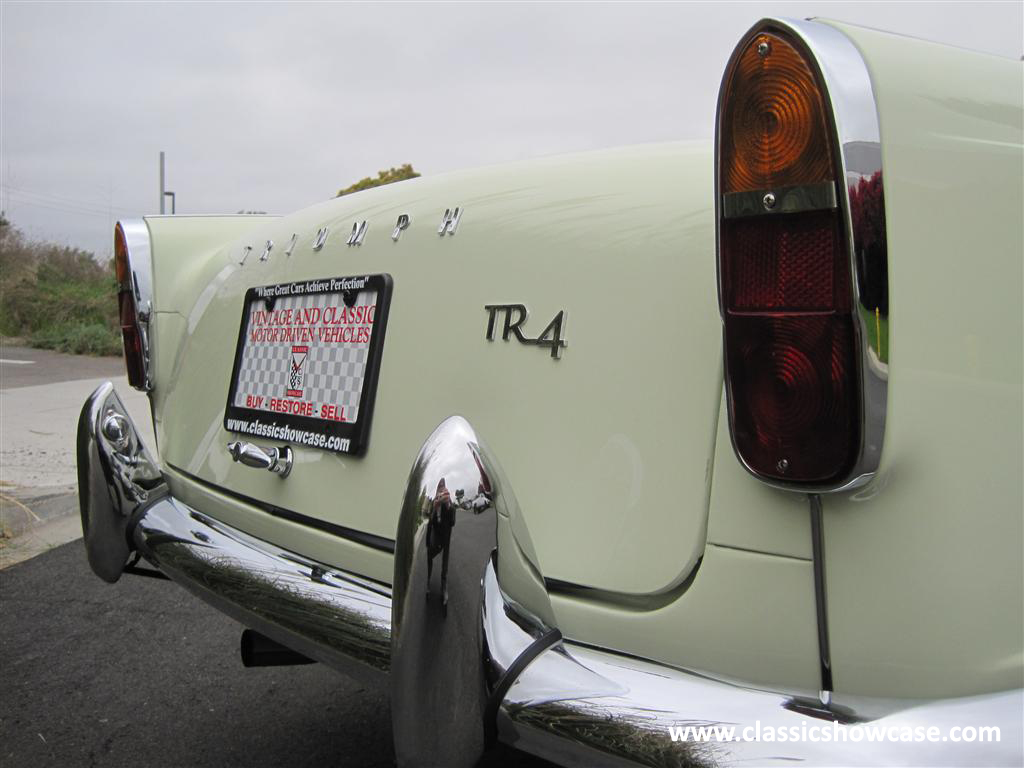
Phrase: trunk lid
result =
(608, 448)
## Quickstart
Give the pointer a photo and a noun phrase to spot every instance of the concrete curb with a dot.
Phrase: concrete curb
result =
(28, 537)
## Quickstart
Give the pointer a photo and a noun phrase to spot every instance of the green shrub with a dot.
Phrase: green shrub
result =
(92, 339)
(57, 297)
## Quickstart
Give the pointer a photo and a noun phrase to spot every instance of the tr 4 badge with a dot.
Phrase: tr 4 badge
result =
(515, 317)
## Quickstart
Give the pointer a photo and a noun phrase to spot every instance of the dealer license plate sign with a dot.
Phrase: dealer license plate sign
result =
(307, 362)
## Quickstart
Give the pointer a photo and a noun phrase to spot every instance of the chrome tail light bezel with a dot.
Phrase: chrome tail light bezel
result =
(852, 117)
(139, 287)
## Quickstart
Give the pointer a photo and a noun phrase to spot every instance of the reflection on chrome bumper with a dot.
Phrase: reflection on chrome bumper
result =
(633, 728)
(570, 703)
(333, 617)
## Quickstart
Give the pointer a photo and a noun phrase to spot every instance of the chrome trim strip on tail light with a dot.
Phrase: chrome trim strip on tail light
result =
(139, 285)
(797, 199)
(853, 122)
(848, 88)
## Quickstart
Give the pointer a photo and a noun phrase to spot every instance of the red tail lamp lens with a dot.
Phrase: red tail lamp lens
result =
(131, 336)
(794, 397)
(791, 355)
(132, 339)
(773, 123)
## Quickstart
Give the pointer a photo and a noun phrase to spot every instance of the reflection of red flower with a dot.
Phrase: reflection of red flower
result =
(868, 211)
(867, 215)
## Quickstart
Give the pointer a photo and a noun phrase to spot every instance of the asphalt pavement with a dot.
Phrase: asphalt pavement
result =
(25, 367)
(142, 674)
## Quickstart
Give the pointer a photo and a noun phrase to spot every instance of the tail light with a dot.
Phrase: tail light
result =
(794, 323)
(134, 298)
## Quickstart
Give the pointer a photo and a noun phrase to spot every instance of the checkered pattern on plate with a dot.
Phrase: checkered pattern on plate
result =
(333, 371)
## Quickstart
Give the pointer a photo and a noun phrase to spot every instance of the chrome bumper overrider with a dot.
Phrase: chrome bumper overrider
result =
(468, 634)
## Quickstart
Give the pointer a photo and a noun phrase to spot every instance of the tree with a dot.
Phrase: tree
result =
(391, 175)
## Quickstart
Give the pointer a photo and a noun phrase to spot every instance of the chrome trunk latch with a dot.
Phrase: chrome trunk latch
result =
(277, 460)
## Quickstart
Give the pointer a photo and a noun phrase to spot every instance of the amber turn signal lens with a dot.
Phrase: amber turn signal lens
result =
(120, 256)
(774, 134)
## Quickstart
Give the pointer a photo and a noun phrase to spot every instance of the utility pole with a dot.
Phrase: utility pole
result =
(164, 194)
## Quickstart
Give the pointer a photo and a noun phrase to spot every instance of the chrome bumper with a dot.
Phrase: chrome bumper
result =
(330, 616)
(489, 654)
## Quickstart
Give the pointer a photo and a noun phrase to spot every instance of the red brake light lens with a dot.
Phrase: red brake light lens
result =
(791, 355)
(792, 409)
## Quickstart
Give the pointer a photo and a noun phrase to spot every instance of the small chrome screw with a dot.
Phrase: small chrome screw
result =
(769, 201)
(782, 465)
(763, 49)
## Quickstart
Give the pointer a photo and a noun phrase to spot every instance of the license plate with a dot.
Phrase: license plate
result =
(307, 361)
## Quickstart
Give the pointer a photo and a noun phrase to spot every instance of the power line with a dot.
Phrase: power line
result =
(61, 202)
(68, 203)
(58, 208)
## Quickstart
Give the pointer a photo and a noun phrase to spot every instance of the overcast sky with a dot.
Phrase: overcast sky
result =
(274, 107)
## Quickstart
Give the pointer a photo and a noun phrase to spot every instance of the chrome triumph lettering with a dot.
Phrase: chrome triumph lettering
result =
(357, 234)
(449, 224)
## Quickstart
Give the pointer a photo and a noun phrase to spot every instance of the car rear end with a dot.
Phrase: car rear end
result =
(724, 384)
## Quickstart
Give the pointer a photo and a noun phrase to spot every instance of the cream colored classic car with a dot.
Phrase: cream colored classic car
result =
(587, 450)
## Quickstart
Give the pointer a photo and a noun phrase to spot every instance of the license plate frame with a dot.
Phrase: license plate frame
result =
(312, 328)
